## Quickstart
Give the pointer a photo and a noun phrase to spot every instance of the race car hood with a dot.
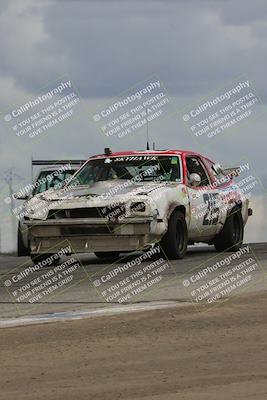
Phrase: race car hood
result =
(105, 189)
(100, 194)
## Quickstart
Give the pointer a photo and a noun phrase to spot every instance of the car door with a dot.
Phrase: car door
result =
(204, 200)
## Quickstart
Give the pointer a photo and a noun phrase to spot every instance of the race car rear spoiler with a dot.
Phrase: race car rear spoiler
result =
(56, 162)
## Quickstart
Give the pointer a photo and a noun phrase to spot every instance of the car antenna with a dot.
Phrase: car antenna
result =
(147, 141)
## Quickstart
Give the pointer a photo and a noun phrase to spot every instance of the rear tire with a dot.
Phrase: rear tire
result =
(231, 236)
(175, 240)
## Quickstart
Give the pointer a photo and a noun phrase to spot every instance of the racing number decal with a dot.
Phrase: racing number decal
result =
(212, 215)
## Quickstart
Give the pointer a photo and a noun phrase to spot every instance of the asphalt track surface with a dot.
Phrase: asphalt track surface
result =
(93, 285)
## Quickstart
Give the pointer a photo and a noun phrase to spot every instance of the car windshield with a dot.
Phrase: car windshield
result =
(135, 168)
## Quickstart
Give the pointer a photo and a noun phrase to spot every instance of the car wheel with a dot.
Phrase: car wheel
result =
(107, 254)
(36, 258)
(21, 249)
(175, 240)
(231, 236)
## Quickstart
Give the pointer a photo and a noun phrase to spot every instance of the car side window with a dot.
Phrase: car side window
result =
(195, 166)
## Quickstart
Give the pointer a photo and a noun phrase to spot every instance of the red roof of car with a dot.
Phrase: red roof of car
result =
(144, 152)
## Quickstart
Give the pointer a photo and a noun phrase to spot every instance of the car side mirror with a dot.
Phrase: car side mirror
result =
(194, 179)
(217, 168)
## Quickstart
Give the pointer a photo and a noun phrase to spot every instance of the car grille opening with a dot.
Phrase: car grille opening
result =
(90, 212)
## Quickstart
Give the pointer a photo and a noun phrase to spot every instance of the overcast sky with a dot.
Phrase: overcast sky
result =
(194, 46)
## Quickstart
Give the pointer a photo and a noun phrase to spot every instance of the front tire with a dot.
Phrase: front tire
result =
(231, 236)
(175, 240)
(21, 249)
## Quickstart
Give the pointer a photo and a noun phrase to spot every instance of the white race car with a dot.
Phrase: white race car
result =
(127, 201)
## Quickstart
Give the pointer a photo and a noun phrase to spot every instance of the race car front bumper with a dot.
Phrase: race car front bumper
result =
(90, 235)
